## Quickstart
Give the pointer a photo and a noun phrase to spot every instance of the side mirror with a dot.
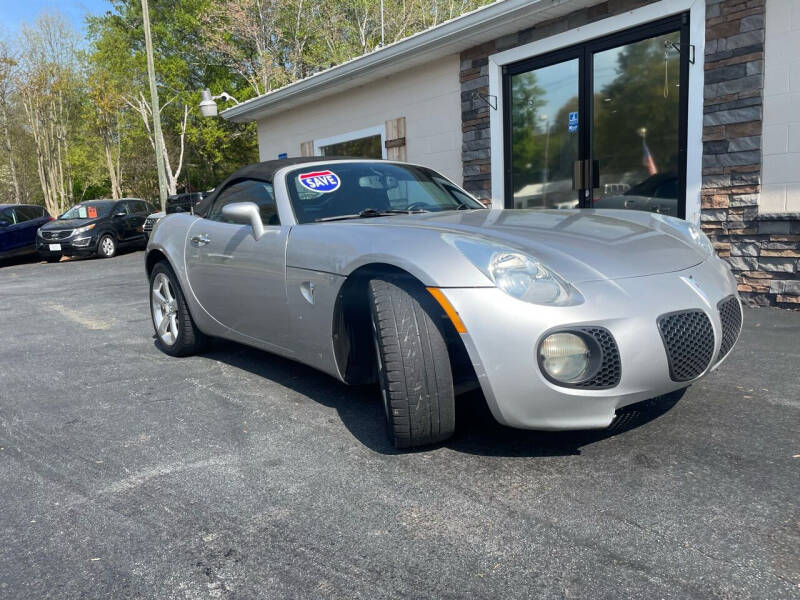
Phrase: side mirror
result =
(245, 213)
(121, 213)
(4, 222)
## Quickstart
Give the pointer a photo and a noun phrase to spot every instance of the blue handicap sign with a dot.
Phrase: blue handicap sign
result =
(283, 155)
(573, 122)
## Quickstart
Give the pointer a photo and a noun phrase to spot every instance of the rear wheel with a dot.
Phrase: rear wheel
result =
(176, 332)
(413, 364)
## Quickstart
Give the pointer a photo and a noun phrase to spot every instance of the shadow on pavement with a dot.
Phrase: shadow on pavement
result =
(477, 432)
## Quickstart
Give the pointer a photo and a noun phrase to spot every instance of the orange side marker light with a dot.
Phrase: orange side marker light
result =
(448, 309)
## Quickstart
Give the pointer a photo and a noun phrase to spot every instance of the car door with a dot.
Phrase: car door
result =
(30, 219)
(139, 213)
(238, 280)
(9, 233)
(119, 220)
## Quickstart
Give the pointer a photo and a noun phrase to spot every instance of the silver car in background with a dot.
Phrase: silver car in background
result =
(378, 271)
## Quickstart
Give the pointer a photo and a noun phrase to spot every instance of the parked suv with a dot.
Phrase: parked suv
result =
(18, 226)
(94, 228)
(177, 203)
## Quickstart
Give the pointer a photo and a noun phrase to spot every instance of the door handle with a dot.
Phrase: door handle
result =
(200, 240)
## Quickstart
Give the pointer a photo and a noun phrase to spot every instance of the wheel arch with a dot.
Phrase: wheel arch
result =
(352, 328)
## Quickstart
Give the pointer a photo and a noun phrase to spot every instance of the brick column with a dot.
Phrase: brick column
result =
(763, 251)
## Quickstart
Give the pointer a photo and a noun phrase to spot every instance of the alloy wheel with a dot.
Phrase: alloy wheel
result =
(165, 309)
(107, 246)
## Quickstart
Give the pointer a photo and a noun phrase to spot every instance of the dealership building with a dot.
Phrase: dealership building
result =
(689, 108)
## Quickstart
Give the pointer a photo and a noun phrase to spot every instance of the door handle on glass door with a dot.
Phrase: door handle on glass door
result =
(200, 240)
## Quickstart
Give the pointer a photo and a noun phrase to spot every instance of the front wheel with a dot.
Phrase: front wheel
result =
(413, 363)
(176, 332)
(107, 246)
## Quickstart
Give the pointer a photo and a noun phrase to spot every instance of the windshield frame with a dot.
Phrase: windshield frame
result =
(286, 176)
(106, 204)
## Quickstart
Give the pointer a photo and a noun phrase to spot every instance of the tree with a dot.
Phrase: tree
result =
(8, 64)
(48, 84)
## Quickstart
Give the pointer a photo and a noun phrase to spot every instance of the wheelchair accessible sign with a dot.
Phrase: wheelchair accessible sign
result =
(320, 181)
(572, 125)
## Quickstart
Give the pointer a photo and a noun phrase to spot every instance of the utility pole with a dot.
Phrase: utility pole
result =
(159, 140)
(382, 40)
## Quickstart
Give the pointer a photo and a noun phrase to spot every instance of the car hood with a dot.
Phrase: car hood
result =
(581, 245)
(58, 224)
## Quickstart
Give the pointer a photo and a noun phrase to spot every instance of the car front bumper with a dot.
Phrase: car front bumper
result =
(78, 246)
(503, 335)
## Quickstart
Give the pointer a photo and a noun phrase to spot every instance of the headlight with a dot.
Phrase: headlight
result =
(564, 357)
(688, 232)
(83, 229)
(516, 273)
(524, 278)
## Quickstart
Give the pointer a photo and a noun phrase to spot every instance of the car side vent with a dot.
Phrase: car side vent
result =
(730, 314)
(689, 341)
(610, 371)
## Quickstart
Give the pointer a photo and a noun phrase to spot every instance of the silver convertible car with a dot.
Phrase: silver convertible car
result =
(378, 271)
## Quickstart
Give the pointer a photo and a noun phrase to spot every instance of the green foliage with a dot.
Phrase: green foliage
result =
(243, 47)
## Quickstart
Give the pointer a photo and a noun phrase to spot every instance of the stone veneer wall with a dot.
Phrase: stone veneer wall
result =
(763, 250)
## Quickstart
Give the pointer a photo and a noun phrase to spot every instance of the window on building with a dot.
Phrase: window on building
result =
(363, 147)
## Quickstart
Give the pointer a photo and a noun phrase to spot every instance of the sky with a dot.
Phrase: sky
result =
(15, 12)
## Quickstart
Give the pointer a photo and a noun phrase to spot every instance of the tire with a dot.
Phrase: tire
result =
(106, 246)
(413, 364)
(181, 336)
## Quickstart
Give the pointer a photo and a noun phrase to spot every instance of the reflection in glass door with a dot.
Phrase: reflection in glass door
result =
(544, 146)
(602, 124)
(635, 125)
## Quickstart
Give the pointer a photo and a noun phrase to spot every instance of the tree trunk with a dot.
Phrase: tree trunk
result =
(13, 168)
(116, 193)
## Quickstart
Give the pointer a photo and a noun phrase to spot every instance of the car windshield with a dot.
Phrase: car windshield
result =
(366, 189)
(88, 210)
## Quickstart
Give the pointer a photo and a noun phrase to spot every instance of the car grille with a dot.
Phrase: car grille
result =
(610, 370)
(730, 314)
(56, 235)
(149, 223)
(689, 341)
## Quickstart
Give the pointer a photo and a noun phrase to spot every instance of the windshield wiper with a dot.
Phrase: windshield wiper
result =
(371, 212)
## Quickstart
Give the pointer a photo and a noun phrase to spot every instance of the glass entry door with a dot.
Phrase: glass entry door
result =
(601, 125)
(543, 147)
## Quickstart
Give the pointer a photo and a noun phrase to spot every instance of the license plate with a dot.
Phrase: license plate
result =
(55, 247)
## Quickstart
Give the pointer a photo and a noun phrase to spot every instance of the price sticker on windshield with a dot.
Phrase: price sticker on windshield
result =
(320, 181)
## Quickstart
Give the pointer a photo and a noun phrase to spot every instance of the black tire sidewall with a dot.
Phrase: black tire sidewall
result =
(435, 376)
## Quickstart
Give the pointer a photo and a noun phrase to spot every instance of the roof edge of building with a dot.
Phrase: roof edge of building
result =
(386, 59)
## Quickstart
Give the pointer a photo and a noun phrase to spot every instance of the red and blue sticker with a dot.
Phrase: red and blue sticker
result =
(321, 181)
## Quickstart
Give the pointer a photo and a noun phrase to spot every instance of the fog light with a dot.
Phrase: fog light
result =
(81, 241)
(564, 357)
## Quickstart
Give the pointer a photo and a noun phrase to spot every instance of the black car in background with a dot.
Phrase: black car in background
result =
(176, 203)
(18, 226)
(184, 202)
(94, 228)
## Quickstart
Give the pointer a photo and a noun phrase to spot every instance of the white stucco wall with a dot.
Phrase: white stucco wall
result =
(429, 98)
(780, 177)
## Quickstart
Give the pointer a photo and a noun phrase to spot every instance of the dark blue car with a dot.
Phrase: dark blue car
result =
(18, 226)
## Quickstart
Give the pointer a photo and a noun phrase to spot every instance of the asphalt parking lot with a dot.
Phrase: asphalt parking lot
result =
(237, 474)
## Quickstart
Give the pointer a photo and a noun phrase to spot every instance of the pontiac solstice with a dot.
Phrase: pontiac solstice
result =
(378, 271)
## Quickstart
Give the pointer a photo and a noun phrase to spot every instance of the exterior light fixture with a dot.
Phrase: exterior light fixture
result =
(208, 104)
